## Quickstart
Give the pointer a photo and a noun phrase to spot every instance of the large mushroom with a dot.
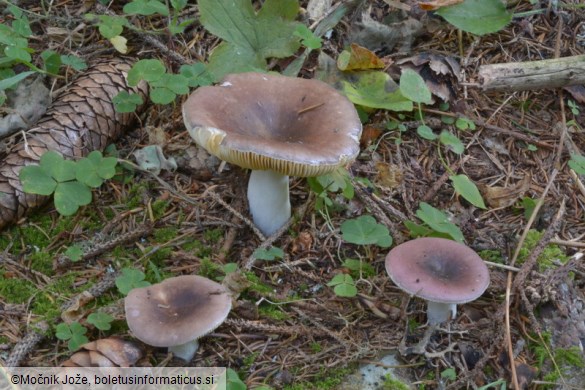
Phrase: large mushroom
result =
(177, 312)
(443, 272)
(277, 126)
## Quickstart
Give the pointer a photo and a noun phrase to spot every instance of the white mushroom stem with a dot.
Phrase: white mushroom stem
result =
(269, 200)
(438, 312)
(185, 351)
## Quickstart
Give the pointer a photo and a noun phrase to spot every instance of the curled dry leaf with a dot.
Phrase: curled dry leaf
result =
(80, 120)
(302, 242)
(506, 196)
(436, 4)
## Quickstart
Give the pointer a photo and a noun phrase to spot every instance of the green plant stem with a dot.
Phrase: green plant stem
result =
(442, 159)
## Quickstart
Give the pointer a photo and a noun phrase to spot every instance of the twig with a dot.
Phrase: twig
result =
(443, 179)
(27, 344)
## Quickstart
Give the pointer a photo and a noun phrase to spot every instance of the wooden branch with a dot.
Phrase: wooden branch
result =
(532, 75)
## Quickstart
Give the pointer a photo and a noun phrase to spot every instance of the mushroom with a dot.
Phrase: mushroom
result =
(276, 126)
(177, 312)
(441, 271)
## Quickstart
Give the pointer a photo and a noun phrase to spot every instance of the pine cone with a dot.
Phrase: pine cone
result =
(110, 352)
(80, 120)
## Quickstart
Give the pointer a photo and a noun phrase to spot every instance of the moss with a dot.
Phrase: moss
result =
(492, 255)
(213, 235)
(42, 262)
(165, 234)
(325, 380)
(548, 257)
(316, 347)
(257, 285)
(16, 291)
(273, 312)
(159, 207)
(391, 383)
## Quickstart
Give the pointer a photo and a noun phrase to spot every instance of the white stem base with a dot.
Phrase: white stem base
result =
(185, 351)
(440, 312)
(269, 200)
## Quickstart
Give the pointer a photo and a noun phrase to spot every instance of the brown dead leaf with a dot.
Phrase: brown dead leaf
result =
(388, 175)
(369, 135)
(436, 4)
(358, 58)
(302, 243)
(75, 311)
(498, 197)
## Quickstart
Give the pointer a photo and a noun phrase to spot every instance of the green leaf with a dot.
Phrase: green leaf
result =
(308, 39)
(107, 167)
(73, 61)
(70, 195)
(119, 43)
(417, 230)
(110, 26)
(414, 88)
(146, 8)
(426, 132)
(74, 332)
(464, 124)
(269, 254)
(149, 70)
(17, 53)
(197, 74)
(343, 285)
(529, 205)
(449, 374)
(452, 142)
(228, 58)
(364, 230)
(162, 95)
(126, 102)
(358, 266)
(102, 321)
(176, 83)
(51, 60)
(129, 279)
(74, 253)
(468, 190)
(247, 35)
(86, 172)
(12, 81)
(60, 169)
(233, 381)
(370, 89)
(36, 180)
(477, 16)
(577, 163)
(438, 221)
(22, 26)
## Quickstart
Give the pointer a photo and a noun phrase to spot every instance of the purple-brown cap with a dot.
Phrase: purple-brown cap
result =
(293, 126)
(177, 310)
(438, 270)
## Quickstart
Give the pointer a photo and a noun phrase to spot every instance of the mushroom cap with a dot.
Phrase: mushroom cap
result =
(293, 126)
(177, 310)
(438, 270)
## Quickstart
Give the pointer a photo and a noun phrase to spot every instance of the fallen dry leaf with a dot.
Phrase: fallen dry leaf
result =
(498, 197)
(359, 58)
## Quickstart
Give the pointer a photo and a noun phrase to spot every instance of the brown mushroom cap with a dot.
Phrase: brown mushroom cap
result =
(177, 310)
(260, 121)
(438, 270)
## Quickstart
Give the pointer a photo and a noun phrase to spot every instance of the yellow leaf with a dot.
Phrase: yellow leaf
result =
(119, 43)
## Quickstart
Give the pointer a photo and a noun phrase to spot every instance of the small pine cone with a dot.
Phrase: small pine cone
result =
(110, 352)
(80, 120)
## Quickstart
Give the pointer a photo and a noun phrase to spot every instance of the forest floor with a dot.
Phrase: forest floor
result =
(288, 328)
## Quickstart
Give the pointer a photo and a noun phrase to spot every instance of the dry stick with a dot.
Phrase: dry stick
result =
(278, 329)
(27, 344)
(443, 179)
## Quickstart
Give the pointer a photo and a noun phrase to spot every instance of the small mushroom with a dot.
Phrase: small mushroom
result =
(276, 126)
(441, 271)
(177, 312)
